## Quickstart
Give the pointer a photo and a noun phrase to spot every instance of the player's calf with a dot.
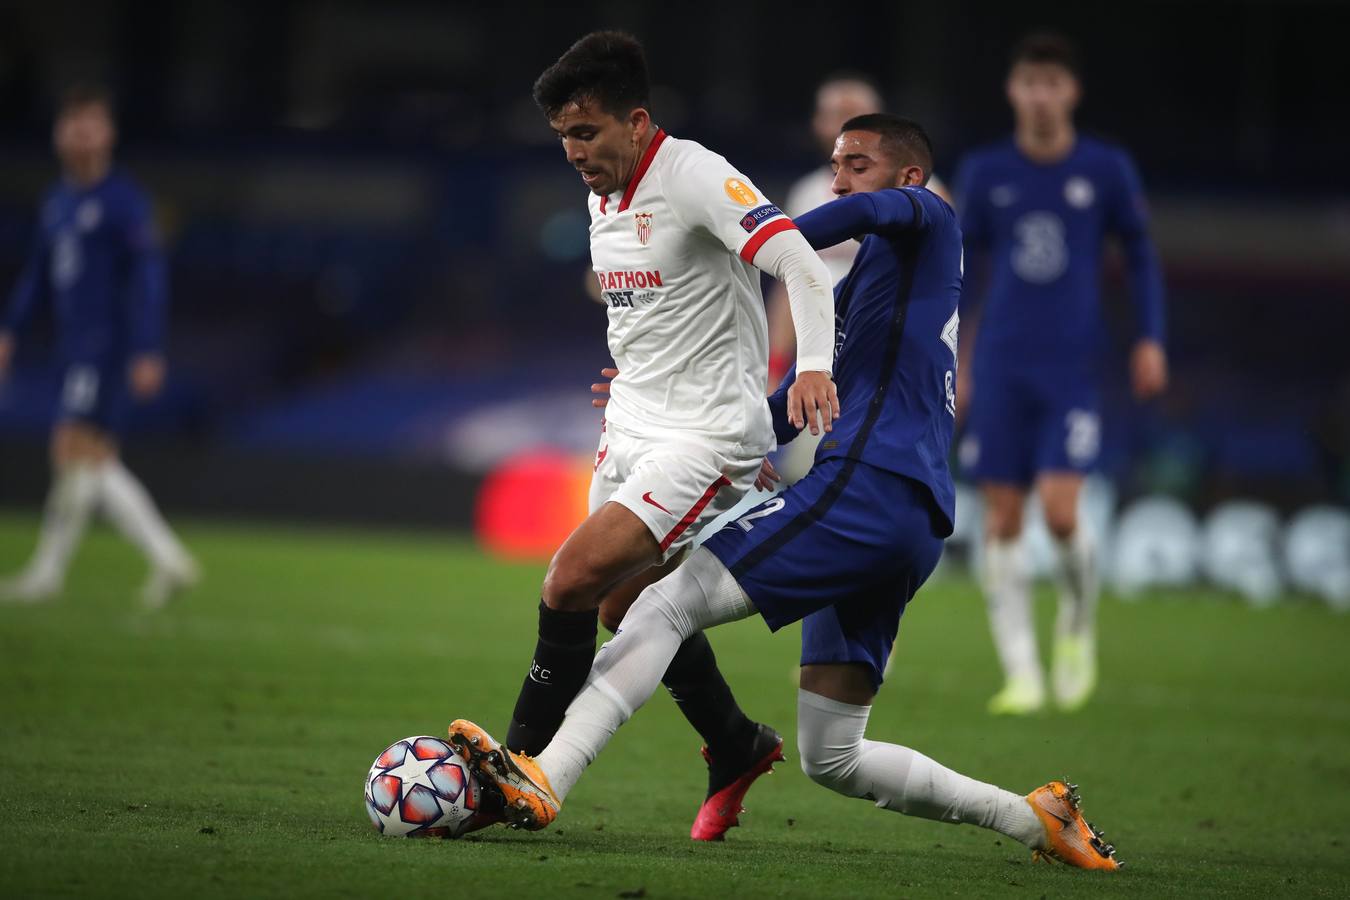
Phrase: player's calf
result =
(609, 547)
(836, 755)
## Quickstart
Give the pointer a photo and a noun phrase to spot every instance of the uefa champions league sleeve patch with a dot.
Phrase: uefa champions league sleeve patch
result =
(754, 217)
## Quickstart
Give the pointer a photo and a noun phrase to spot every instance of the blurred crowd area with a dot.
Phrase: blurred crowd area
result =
(377, 251)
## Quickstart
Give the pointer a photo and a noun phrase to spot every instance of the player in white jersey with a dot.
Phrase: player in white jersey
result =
(840, 97)
(678, 235)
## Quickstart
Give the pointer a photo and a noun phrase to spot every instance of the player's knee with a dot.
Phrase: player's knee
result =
(610, 617)
(65, 450)
(619, 598)
(1061, 521)
(571, 585)
(830, 771)
(76, 444)
(830, 767)
(1003, 525)
(60, 458)
(677, 603)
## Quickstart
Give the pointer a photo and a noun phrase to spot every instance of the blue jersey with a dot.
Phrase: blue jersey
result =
(896, 328)
(96, 257)
(1043, 226)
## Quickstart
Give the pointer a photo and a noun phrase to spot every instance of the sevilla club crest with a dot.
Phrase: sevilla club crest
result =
(644, 227)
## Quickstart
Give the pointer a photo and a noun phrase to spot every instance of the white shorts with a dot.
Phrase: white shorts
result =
(675, 487)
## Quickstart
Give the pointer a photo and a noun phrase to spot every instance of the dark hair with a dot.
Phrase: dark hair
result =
(608, 68)
(904, 140)
(84, 93)
(1046, 47)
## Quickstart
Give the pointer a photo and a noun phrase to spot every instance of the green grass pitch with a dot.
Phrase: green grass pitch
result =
(217, 748)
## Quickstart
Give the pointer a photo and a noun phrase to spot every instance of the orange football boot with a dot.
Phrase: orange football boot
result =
(529, 800)
(1072, 840)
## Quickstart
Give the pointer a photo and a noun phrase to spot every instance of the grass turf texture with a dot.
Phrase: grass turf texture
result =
(217, 748)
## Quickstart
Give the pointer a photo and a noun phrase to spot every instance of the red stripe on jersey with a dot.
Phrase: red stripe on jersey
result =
(603, 202)
(643, 166)
(683, 525)
(776, 226)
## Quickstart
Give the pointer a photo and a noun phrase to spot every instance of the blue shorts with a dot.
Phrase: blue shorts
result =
(1022, 424)
(95, 392)
(843, 550)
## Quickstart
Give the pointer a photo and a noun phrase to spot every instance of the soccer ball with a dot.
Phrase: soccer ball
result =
(419, 787)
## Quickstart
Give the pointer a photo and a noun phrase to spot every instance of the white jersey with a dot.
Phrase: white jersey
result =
(687, 329)
(813, 190)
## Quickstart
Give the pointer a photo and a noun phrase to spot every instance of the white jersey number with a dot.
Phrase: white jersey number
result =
(1084, 438)
(769, 509)
(950, 337)
(1041, 254)
(66, 260)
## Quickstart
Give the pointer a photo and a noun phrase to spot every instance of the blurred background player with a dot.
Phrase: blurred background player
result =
(97, 260)
(1041, 204)
(840, 97)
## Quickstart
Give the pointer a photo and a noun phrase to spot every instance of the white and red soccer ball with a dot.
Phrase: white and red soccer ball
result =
(419, 787)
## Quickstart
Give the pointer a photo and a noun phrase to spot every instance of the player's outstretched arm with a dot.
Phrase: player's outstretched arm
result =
(812, 400)
(858, 215)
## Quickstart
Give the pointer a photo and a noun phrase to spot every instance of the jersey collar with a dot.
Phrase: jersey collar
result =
(643, 165)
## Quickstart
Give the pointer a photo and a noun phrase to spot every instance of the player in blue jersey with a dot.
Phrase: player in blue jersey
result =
(96, 259)
(1040, 205)
(844, 549)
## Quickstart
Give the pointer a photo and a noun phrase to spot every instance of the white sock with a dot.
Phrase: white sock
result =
(1007, 591)
(698, 595)
(70, 502)
(1078, 583)
(835, 754)
(130, 508)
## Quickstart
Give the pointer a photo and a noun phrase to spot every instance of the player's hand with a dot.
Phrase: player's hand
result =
(767, 476)
(147, 375)
(6, 353)
(601, 389)
(813, 402)
(1148, 369)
